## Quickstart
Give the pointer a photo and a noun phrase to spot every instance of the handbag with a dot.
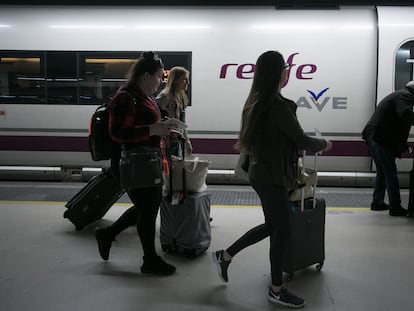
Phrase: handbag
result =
(195, 171)
(140, 168)
(305, 181)
(242, 167)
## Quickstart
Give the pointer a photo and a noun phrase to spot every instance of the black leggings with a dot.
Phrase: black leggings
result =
(275, 204)
(143, 214)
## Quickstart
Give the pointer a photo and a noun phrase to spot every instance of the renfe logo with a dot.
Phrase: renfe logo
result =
(301, 72)
(246, 71)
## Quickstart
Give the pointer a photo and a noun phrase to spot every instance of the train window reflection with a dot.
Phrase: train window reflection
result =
(21, 77)
(102, 73)
(71, 77)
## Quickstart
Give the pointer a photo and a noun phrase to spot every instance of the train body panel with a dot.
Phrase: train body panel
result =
(395, 57)
(333, 75)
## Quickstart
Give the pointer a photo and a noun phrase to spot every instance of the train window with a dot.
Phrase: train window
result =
(71, 77)
(101, 74)
(404, 64)
(62, 77)
(21, 77)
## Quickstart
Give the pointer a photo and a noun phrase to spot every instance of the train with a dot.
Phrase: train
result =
(58, 63)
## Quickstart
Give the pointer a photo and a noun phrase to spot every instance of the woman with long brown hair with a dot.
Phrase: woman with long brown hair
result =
(135, 121)
(271, 136)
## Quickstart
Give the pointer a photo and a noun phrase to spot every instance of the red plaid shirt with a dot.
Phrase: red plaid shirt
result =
(129, 119)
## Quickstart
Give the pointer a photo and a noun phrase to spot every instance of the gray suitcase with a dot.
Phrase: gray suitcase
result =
(185, 221)
(185, 227)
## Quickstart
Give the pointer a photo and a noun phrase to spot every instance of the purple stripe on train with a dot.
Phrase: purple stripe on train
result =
(200, 145)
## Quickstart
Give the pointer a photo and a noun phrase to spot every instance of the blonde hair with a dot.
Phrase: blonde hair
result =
(170, 91)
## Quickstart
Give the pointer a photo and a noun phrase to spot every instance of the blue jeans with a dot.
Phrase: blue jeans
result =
(387, 175)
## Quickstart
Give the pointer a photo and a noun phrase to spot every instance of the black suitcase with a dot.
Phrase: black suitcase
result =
(93, 200)
(306, 245)
(185, 221)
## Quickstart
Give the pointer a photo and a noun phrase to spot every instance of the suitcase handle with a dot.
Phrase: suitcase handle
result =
(182, 197)
(315, 166)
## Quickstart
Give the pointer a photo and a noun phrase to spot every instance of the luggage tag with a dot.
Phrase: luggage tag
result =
(175, 199)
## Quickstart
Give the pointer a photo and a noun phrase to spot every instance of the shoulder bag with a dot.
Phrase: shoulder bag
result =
(140, 167)
(242, 167)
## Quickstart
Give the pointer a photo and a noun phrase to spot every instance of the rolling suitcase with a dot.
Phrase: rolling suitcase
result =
(306, 244)
(185, 221)
(93, 200)
(185, 226)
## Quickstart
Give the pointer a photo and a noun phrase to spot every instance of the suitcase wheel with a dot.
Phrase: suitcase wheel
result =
(65, 214)
(166, 248)
(79, 228)
(319, 266)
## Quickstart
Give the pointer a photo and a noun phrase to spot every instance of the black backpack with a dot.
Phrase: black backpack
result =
(99, 140)
(100, 143)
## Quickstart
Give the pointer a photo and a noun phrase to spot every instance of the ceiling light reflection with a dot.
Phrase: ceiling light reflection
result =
(87, 26)
(172, 27)
(290, 27)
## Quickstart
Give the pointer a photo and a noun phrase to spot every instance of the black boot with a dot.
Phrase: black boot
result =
(156, 265)
(104, 239)
(398, 211)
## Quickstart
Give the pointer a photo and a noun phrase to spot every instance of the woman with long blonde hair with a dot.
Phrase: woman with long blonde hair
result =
(173, 101)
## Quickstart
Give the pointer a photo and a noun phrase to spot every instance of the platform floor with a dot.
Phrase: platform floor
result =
(46, 265)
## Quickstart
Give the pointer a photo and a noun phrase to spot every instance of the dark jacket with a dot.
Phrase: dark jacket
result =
(390, 124)
(275, 156)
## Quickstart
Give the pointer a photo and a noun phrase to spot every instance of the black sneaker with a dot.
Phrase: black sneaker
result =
(285, 298)
(104, 239)
(222, 265)
(156, 265)
(379, 206)
(398, 211)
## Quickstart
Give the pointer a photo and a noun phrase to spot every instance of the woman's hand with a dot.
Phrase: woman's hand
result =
(189, 146)
(328, 145)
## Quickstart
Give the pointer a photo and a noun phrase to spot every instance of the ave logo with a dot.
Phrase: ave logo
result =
(319, 101)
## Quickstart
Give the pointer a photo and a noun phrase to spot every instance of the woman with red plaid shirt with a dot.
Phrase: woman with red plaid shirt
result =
(134, 120)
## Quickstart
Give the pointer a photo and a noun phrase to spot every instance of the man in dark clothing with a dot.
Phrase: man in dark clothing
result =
(386, 134)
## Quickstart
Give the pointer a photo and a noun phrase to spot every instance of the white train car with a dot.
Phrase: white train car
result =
(58, 63)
